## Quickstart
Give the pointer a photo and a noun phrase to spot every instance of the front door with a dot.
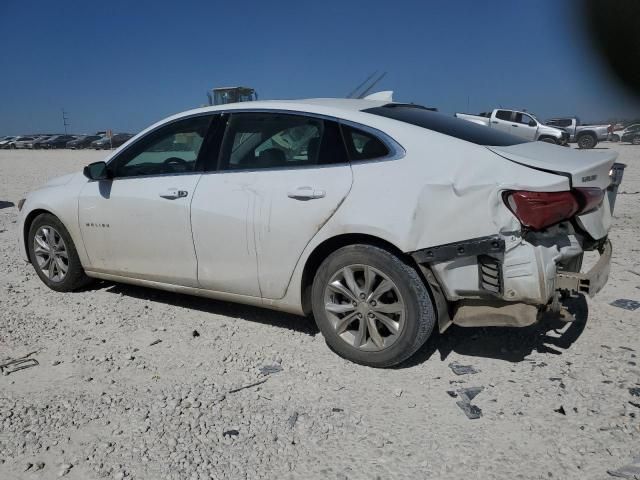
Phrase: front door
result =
(137, 224)
(525, 126)
(280, 178)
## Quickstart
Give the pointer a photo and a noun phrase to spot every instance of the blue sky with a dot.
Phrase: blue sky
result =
(125, 64)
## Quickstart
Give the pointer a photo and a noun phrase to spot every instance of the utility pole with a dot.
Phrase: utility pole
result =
(65, 120)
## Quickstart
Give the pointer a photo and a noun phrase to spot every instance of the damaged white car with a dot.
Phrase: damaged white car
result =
(381, 219)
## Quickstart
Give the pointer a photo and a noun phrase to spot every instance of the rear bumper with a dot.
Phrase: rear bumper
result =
(591, 282)
(507, 281)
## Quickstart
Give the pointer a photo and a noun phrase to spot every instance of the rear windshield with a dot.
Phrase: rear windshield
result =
(454, 127)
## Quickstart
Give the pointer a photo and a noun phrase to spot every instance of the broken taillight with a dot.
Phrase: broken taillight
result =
(538, 210)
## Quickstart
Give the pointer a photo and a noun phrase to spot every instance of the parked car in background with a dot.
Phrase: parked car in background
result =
(37, 142)
(631, 134)
(57, 141)
(626, 132)
(4, 143)
(105, 142)
(338, 207)
(520, 124)
(21, 142)
(83, 141)
(586, 136)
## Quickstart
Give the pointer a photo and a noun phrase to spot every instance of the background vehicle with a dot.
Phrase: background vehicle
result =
(21, 142)
(625, 132)
(520, 124)
(586, 136)
(105, 143)
(57, 141)
(37, 143)
(83, 141)
(297, 222)
(224, 95)
(631, 134)
(4, 143)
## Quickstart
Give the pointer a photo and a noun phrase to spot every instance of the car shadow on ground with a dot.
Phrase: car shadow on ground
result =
(5, 204)
(234, 310)
(549, 336)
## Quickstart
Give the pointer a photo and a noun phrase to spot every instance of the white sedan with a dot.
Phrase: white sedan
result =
(381, 219)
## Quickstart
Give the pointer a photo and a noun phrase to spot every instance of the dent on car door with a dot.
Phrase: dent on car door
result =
(281, 177)
(137, 223)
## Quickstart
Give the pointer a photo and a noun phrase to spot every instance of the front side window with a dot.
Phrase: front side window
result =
(171, 149)
(523, 118)
(362, 145)
(274, 140)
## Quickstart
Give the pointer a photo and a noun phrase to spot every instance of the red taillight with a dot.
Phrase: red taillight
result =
(537, 210)
(589, 198)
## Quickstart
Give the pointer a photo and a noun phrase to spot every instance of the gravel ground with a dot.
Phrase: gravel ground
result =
(137, 383)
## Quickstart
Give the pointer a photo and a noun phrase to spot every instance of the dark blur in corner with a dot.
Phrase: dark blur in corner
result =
(614, 27)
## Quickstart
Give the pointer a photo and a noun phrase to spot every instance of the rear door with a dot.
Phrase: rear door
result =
(281, 177)
(502, 120)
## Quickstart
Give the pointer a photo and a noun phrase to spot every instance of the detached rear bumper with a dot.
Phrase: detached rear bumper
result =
(591, 282)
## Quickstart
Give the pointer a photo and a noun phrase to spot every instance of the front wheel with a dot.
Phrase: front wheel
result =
(372, 308)
(548, 140)
(54, 256)
(636, 140)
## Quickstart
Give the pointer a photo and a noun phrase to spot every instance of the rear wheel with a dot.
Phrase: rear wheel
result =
(371, 307)
(54, 256)
(636, 140)
(587, 141)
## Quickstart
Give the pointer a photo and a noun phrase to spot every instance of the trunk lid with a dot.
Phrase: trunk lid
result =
(584, 168)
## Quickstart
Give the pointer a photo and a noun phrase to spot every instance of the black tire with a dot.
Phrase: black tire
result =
(75, 277)
(587, 141)
(419, 316)
(636, 140)
(615, 138)
(549, 140)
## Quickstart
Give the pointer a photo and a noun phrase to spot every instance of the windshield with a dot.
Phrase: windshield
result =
(454, 127)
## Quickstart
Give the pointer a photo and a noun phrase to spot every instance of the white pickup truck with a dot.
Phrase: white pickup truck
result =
(586, 136)
(520, 124)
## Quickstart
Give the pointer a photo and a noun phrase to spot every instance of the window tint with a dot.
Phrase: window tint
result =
(362, 145)
(523, 118)
(274, 140)
(504, 115)
(171, 149)
(454, 127)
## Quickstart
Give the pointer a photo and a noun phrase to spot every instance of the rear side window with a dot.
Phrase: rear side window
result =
(363, 145)
(454, 127)
(277, 140)
(503, 115)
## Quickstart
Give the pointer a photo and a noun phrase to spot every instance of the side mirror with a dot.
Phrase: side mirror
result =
(532, 123)
(96, 171)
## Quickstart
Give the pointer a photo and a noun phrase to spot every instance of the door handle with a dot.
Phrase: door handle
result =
(494, 121)
(173, 193)
(306, 193)
(513, 125)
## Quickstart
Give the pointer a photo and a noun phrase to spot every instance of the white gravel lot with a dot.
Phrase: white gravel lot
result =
(106, 401)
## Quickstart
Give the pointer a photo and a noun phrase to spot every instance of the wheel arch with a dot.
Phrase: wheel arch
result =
(542, 138)
(28, 221)
(330, 245)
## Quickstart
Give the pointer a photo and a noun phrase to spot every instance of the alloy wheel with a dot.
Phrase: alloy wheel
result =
(51, 253)
(364, 307)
